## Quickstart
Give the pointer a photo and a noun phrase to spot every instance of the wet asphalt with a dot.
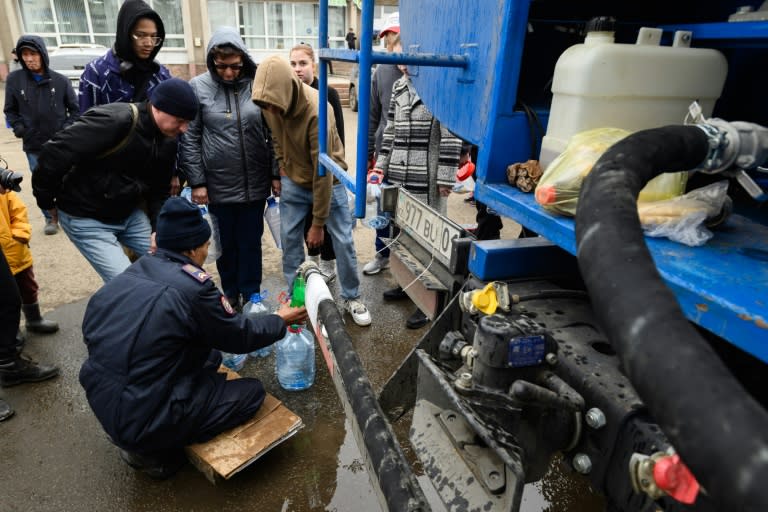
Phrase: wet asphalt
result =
(55, 456)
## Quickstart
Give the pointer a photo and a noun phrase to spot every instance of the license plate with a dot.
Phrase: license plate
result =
(431, 230)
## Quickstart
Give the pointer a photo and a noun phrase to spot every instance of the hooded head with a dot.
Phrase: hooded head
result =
(276, 84)
(131, 12)
(34, 43)
(181, 226)
(223, 41)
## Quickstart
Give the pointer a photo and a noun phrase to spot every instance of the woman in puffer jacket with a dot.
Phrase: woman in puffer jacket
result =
(226, 156)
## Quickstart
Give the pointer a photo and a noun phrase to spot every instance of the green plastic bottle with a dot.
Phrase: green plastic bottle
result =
(297, 298)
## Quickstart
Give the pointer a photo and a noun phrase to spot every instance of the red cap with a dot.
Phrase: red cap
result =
(465, 171)
(674, 478)
(391, 24)
(546, 194)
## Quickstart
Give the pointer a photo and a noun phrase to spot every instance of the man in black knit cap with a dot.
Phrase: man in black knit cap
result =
(105, 177)
(153, 335)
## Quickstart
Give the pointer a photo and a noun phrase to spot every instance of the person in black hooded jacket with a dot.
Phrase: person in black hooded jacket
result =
(128, 71)
(38, 103)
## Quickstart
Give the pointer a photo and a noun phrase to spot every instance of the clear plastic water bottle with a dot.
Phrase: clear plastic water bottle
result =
(295, 361)
(253, 308)
(234, 362)
(373, 219)
(272, 217)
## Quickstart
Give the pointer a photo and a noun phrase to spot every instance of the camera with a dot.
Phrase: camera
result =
(10, 180)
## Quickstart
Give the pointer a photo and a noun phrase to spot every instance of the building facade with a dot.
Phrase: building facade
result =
(267, 27)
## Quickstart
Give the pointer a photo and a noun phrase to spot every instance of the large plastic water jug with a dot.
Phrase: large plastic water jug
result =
(295, 361)
(632, 86)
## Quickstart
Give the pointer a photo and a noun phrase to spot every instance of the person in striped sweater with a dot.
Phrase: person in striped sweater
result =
(419, 154)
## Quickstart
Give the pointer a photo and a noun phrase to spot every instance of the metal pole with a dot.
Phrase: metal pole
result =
(322, 124)
(364, 107)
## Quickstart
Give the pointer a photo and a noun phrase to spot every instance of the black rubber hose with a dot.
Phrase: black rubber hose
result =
(397, 483)
(720, 431)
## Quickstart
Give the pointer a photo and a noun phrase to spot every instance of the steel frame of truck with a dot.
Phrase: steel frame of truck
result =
(480, 444)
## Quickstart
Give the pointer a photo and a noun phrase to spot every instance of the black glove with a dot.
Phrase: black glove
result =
(19, 130)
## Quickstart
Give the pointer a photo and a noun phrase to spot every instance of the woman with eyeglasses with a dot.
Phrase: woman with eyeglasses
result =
(128, 71)
(226, 156)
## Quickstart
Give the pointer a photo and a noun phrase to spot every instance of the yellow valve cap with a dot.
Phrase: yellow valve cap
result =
(485, 300)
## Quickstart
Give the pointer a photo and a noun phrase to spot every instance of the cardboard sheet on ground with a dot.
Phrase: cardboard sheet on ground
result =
(234, 450)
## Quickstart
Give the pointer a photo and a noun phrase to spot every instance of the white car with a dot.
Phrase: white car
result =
(70, 60)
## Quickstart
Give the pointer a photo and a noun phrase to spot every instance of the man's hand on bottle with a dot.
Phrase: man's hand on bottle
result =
(292, 315)
(200, 195)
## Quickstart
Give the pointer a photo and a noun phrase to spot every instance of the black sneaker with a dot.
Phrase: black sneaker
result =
(23, 369)
(416, 320)
(155, 467)
(395, 294)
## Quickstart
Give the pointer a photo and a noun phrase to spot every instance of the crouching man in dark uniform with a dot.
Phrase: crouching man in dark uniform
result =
(152, 333)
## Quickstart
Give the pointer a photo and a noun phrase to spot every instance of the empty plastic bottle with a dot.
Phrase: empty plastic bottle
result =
(214, 249)
(234, 362)
(373, 218)
(295, 361)
(272, 216)
(255, 307)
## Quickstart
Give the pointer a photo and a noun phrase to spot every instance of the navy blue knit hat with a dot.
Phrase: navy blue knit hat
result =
(175, 97)
(181, 226)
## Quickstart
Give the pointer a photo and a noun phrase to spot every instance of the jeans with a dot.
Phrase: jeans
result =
(32, 160)
(101, 243)
(386, 232)
(240, 229)
(295, 204)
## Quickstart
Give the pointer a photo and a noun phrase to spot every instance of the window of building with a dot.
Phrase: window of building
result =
(277, 25)
(92, 21)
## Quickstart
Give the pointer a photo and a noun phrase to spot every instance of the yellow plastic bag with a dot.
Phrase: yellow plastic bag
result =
(558, 189)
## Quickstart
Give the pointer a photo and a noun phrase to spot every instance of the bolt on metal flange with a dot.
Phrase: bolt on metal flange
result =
(464, 381)
(595, 418)
(582, 463)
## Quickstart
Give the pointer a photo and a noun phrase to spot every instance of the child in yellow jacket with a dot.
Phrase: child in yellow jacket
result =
(15, 232)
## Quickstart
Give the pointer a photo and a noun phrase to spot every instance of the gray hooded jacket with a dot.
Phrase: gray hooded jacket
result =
(227, 147)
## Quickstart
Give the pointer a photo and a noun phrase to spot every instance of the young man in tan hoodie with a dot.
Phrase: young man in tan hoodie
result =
(291, 110)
